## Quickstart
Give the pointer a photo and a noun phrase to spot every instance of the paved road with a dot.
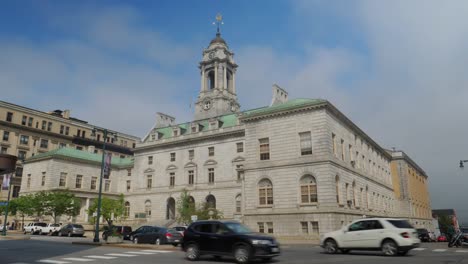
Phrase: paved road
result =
(60, 251)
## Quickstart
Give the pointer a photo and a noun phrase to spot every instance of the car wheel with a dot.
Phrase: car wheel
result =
(32, 232)
(242, 254)
(24, 232)
(131, 238)
(330, 246)
(135, 240)
(389, 248)
(191, 252)
(158, 241)
(59, 234)
(175, 244)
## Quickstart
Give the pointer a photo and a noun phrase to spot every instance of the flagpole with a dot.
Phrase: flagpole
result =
(6, 209)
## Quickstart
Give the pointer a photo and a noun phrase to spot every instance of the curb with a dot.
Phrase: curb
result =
(137, 246)
(15, 237)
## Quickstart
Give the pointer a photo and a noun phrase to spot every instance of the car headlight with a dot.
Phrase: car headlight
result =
(261, 242)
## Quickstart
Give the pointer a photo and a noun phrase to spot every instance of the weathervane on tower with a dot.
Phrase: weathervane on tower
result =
(219, 21)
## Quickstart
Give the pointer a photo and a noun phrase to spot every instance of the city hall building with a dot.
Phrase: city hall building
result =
(296, 168)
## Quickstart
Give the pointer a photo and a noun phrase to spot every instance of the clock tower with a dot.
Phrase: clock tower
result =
(218, 86)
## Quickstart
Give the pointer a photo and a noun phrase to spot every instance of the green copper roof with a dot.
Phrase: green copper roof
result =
(82, 155)
(292, 104)
(231, 120)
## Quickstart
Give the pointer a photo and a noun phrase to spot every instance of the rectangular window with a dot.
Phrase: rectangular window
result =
(62, 129)
(342, 150)
(172, 179)
(315, 227)
(3, 150)
(350, 152)
(28, 183)
(9, 117)
(211, 175)
(240, 172)
(264, 148)
(238, 205)
(79, 181)
(150, 160)
(357, 159)
(79, 147)
(305, 227)
(24, 140)
(63, 179)
(67, 131)
(107, 185)
(261, 227)
(30, 121)
(62, 145)
(44, 125)
(83, 135)
(190, 177)
(334, 144)
(240, 147)
(149, 182)
(173, 156)
(6, 135)
(44, 143)
(129, 172)
(211, 152)
(269, 227)
(21, 155)
(191, 154)
(43, 178)
(24, 120)
(194, 129)
(306, 143)
(93, 183)
(129, 185)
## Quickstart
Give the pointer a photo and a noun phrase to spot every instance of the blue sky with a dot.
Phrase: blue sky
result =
(396, 68)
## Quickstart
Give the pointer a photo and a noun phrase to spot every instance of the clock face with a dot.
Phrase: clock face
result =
(207, 105)
(211, 55)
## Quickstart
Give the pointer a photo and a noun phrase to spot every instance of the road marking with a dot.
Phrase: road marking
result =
(156, 251)
(439, 250)
(79, 259)
(140, 253)
(52, 261)
(100, 257)
(120, 255)
(419, 249)
(462, 251)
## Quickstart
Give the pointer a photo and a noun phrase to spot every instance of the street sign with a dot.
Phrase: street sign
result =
(194, 218)
(94, 214)
(3, 203)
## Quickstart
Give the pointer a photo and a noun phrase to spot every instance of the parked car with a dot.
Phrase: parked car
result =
(227, 238)
(442, 238)
(124, 231)
(180, 229)
(71, 230)
(423, 235)
(50, 229)
(156, 235)
(34, 228)
(391, 236)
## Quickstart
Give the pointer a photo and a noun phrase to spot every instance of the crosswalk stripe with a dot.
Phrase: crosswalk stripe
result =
(156, 251)
(139, 252)
(100, 257)
(52, 261)
(79, 259)
(120, 255)
(439, 250)
(419, 249)
(462, 251)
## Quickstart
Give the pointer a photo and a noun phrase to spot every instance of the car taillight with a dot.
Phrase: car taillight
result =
(405, 235)
(168, 235)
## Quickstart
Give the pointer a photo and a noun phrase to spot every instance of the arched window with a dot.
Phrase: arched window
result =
(211, 201)
(308, 189)
(238, 203)
(265, 192)
(337, 183)
(148, 208)
(211, 80)
(170, 209)
(367, 197)
(127, 209)
(354, 194)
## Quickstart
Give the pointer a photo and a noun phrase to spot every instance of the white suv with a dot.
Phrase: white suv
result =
(34, 228)
(392, 236)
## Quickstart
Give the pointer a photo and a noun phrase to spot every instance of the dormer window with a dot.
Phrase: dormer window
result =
(153, 137)
(194, 128)
(175, 132)
(160, 135)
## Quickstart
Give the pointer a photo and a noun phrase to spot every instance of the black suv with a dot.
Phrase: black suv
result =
(423, 235)
(227, 238)
(124, 231)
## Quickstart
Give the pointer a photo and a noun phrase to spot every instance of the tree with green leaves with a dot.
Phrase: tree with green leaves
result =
(446, 225)
(186, 208)
(23, 206)
(111, 209)
(61, 203)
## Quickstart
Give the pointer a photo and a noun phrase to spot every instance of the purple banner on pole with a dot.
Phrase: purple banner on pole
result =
(6, 181)
(107, 165)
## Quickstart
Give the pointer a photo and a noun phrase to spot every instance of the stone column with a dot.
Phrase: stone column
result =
(203, 77)
(216, 76)
(233, 82)
(86, 210)
(225, 84)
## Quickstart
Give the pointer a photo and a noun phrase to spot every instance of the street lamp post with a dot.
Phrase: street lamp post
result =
(98, 216)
